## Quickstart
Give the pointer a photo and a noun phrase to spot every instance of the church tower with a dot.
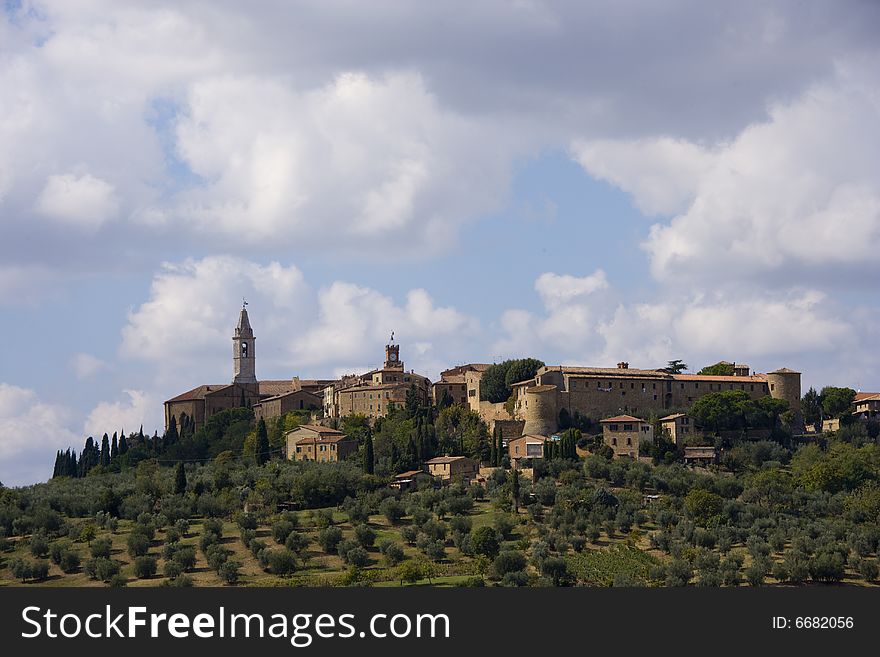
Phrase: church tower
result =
(243, 363)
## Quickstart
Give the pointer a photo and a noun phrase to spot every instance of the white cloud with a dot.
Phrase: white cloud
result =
(787, 197)
(30, 433)
(86, 365)
(185, 328)
(370, 159)
(83, 201)
(354, 322)
(139, 408)
(558, 290)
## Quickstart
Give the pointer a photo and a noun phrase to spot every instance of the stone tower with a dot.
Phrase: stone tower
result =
(243, 356)
(539, 410)
(786, 384)
(392, 355)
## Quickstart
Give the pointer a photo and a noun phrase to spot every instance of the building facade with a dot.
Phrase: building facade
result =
(312, 442)
(450, 468)
(625, 433)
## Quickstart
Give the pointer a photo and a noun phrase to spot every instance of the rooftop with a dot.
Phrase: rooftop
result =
(674, 416)
(444, 459)
(622, 418)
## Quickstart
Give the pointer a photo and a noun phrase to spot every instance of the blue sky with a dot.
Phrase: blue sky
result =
(571, 181)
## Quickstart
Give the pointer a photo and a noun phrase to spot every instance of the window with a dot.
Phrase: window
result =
(632, 385)
(299, 449)
(623, 394)
(614, 441)
(629, 441)
(627, 427)
(772, 386)
(682, 386)
(655, 397)
(323, 448)
(613, 427)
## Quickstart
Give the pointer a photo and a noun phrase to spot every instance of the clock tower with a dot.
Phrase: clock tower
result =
(392, 355)
(243, 363)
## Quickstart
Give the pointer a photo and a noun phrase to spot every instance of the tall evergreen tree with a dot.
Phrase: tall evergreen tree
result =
(514, 488)
(114, 448)
(123, 446)
(412, 401)
(368, 455)
(180, 480)
(263, 449)
(105, 450)
(171, 436)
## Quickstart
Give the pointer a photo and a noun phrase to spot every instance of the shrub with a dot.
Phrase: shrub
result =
(392, 509)
(393, 554)
(144, 567)
(185, 557)
(357, 556)
(57, 550)
(100, 548)
(230, 571)
(343, 547)
(171, 569)
(281, 530)
(365, 536)
(410, 534)
(506, 562)
(281, 562)
(216, 556)
(329, 538)
(138, 545)
(484, 541)
(297, 542)
(39, 546)
(70, 562)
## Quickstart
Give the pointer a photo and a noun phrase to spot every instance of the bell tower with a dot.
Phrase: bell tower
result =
(392, 355)
(243, 362)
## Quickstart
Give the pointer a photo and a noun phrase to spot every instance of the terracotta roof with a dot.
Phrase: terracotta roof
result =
(861, 396)
(445, 459)
(198, 392)
(752, 378)
(784, 370)
(291, 392)
(323, 439)
(275, 388)
(674, 416)
(522, 383)
(409, 474)
(469, 367)
(319, 429)
(450, 378)
(543, 388)
(699, 451)
(376, 386)
(533, 438)
(623, 418)
(603, 371)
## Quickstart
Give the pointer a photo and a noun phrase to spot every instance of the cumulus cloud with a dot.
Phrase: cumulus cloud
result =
(136, 409)
(787, 197)
(83, 201)
(31, 432)
(86, 365)
(371, 159)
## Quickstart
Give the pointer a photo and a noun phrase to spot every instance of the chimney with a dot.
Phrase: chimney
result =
(623, 366)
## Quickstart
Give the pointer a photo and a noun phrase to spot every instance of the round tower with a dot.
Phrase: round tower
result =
(786, 384)
(539, 411)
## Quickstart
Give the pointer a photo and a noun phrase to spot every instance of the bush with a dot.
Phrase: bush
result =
(230, 571)
(297, 542)
(410, 534)
(508, 561)
(281, 530)
(357, 556)
(57, 550)
(101, 548)
(281, 562)
(39, 546)
(185, 557)
(393, 554)
(365, 536)
(216, 556)
(343, 547)
(392, 509)
(172, 569)
(144, 567)
(329, 538)
(484, 541)
(138, 545)
(101, 568)
(70, 562)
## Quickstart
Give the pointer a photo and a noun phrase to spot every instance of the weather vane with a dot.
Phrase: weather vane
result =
(392, 336)
(243, 302)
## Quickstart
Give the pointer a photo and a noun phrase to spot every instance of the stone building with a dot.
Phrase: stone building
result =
(374, 393)
(311, 442)
(453, 382)
(268, 398)
(679, 427)
(624, 434)
(525, 448)
(450, 468)
(597, 392)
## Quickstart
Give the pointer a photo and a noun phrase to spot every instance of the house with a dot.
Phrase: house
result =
(525, 447)
(312, 442)
(408, 480)
(447, 468)
(624, 433)
(700, 455)
(679, 426)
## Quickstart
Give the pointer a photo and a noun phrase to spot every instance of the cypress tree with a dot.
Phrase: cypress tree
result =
(514, 488)
(123, 446)
(368, 455)
(180, 480)
(171, 436)
(57, 467)
(263, 449)
(114, 449)
(105, 450)
(493, 452)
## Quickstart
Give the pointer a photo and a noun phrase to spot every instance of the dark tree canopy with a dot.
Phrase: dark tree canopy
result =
(720, 368)
(836, 401)
(676, 366)
(495, 385)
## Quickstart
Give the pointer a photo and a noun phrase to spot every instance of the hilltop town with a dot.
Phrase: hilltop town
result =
(514, 474)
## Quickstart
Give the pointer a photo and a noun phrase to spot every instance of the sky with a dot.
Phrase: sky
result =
(580, 182)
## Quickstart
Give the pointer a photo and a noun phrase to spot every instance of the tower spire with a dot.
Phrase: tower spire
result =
(243, 362)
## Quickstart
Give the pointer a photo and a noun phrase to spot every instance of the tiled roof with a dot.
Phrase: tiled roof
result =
(319, 429)
(450, 378)
(445, 459)
(753, 378)
(622, 418)
(861, 396)
(198, 392)
(675, 416)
